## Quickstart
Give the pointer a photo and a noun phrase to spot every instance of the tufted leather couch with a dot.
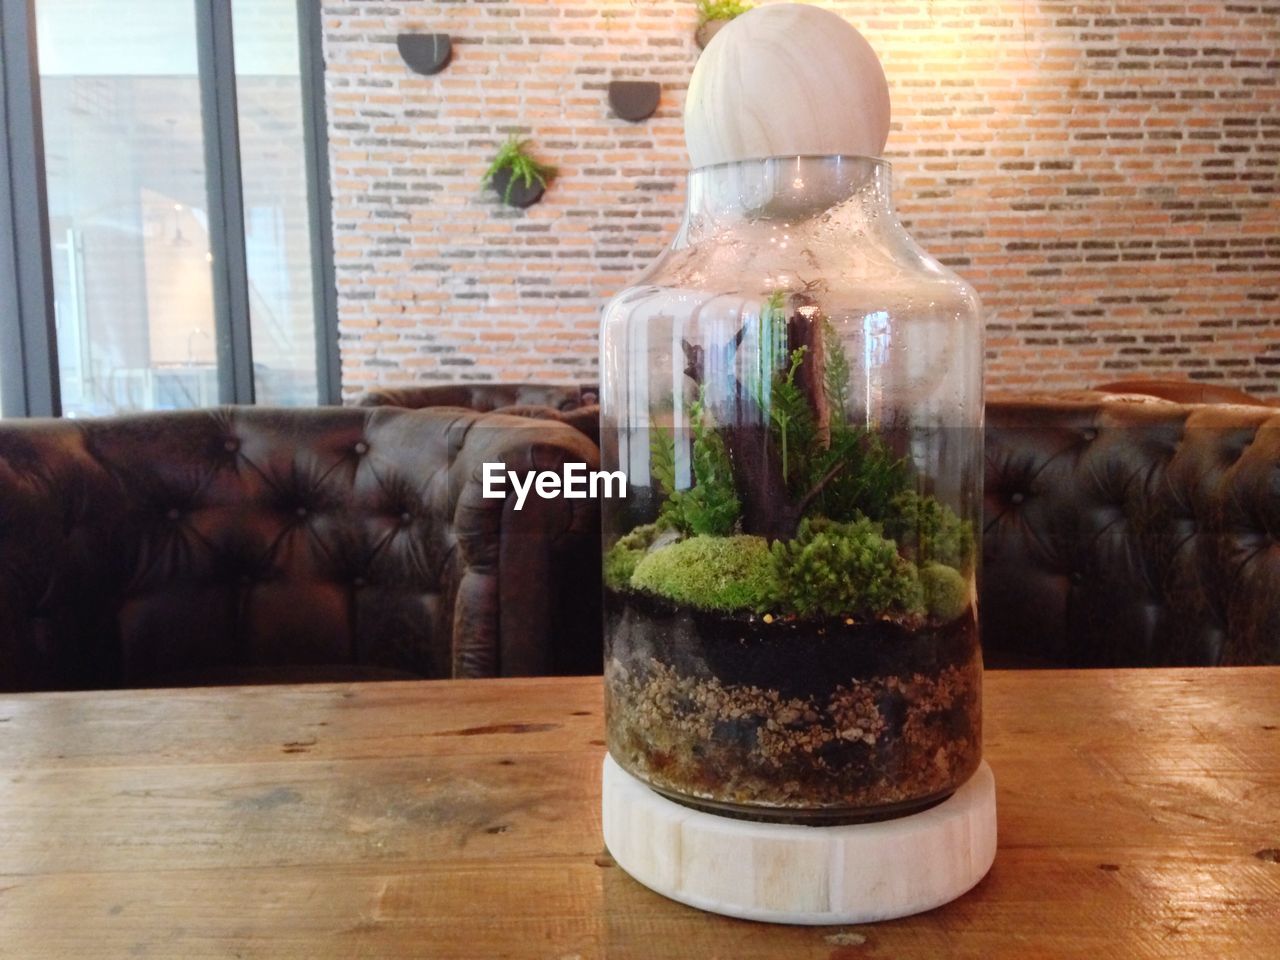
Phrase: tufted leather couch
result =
(257, 544)
(1124, 530)
(1119, 529)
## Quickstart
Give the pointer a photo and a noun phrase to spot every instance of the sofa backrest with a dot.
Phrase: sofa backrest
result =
(485, 396)
(576, 406)
(1119, 530)
(1131, 531)
(157, 548)
(1181, 391)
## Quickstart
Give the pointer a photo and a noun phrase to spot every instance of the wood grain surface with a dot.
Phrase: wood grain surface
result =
(1139, 817)
(786, 79)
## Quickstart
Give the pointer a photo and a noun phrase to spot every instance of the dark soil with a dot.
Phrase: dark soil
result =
(803, 721)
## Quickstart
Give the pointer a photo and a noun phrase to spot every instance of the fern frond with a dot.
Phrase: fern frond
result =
(513, 156)
(835, 375)
(662, 460)
(792, 418)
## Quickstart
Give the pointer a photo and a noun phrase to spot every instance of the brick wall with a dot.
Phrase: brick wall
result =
(1106, 173)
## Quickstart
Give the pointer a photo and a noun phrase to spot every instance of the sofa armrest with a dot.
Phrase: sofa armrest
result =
(528, 593)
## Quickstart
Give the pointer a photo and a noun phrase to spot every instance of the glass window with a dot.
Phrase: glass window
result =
(128, 219)
(273, 170)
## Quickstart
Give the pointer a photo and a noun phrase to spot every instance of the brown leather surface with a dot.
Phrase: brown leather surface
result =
(1181, 391)
(576, 406)
(485, 396)
(1119, 529)
(244, 542)
(1123, 531)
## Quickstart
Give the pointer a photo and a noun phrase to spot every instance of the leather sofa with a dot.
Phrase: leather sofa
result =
(250, 544)
(485, 397)
(1121, 527)
(577, 406)
(246, 544)
(1125, 530)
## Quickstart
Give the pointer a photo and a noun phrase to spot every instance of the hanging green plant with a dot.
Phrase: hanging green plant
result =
(516, 176)
(714, 14)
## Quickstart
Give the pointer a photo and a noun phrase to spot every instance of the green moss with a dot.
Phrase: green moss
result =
(841, 569)
(620, 560)
(711, 573)
(930, 532)
(946, 591)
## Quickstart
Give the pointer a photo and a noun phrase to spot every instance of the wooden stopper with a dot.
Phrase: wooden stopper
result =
(786, 79)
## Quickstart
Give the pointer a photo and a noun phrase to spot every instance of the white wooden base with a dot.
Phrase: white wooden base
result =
(797, 874)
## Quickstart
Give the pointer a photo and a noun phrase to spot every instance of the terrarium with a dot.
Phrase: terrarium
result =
(794, 393)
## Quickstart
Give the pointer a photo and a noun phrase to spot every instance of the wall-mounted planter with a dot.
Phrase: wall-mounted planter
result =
(634, 100)
(425, 53)
(708, 29)
(521, 196)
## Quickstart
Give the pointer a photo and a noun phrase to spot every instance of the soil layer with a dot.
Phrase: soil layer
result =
(803, 721)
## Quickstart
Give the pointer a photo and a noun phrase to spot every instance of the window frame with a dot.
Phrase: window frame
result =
(29, 378)
(29, 371)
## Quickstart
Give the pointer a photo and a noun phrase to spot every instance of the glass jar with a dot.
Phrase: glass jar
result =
(794, 393)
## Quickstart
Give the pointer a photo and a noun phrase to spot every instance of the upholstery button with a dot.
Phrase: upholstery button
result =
(1077, 577)
(231, 445)
(361, 448)
(1090, 434)
(405, 519)
(358, 582)
(174, 513)
(301, 511)
(1017, 497)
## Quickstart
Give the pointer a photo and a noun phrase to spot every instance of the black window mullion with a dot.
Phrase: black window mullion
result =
(226, 200)
(319, 199)
(28, 327)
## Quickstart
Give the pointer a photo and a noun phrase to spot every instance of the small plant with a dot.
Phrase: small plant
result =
(621, 559)
(833, 569)
(709, 10)
(710, 573)
(711, 506)
(946, 592)
(930, 532)
(513, 157)
(795, 475)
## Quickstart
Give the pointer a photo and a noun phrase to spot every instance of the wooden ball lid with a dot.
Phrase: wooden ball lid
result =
(786, 79)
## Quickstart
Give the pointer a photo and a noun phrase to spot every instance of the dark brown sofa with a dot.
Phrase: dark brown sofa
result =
(1119, 529)
(577, 406)
(255, 544)
(1124, 530)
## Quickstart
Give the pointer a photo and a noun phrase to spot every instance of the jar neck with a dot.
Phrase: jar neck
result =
(786, 190)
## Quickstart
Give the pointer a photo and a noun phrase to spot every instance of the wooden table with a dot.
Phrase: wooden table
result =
(1139, 817)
